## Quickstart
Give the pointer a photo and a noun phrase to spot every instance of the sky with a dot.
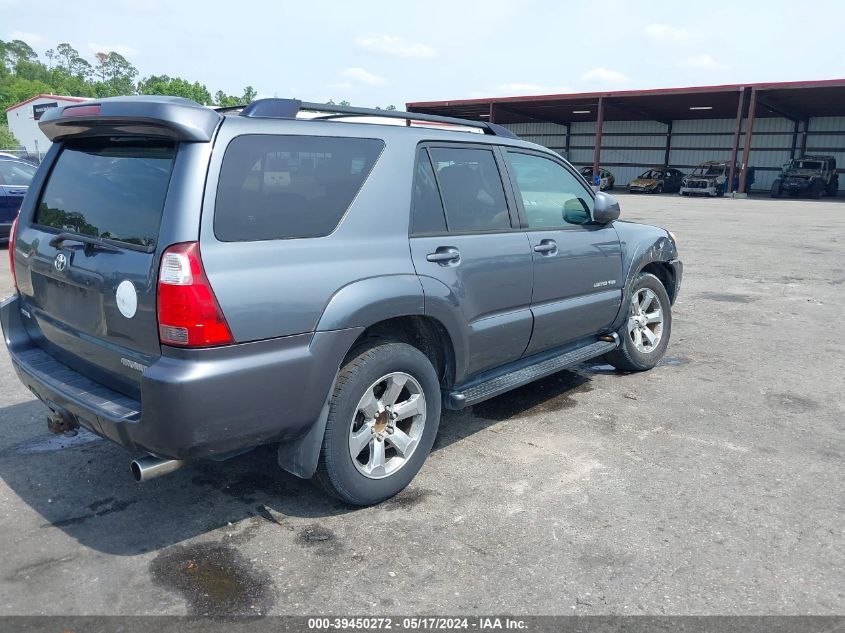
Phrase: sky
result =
(380, 53)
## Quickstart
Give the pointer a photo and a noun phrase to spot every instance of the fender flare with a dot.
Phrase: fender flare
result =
(661, 249)
(367, 301)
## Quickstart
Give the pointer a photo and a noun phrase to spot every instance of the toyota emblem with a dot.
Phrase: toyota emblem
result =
(60, 263)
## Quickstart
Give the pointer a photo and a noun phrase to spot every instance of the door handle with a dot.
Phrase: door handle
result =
(445, 255)
(546, 247)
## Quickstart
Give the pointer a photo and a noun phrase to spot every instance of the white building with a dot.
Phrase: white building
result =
(23, 120)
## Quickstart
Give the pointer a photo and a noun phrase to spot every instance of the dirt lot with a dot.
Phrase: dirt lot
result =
(712, 484)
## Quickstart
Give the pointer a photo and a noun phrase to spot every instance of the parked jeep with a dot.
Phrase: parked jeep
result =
(711, 178)
(192, 284)
(810, 176)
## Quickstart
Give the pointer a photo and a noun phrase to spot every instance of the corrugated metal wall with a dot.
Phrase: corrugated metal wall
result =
(630, 147)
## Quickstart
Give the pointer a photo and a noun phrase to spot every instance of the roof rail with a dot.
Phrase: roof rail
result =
(288, 109)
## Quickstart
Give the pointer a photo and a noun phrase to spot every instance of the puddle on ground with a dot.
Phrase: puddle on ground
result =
(49, 443)
(215, 580)
(727, 297)
(672, 362)
(552, 393)
(406, 499)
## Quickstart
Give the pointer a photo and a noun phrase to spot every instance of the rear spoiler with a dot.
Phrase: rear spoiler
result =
(163, 117)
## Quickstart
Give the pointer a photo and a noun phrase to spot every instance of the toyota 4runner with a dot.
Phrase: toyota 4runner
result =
(192, 283)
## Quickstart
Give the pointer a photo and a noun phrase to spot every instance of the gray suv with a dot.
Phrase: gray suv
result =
(193, 283)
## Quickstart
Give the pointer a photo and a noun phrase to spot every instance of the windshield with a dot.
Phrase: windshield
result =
(15, 173)
(653, 174)
(808, 164)
(709, 170)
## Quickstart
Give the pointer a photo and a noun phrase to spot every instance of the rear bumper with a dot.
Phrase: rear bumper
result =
(194, 403)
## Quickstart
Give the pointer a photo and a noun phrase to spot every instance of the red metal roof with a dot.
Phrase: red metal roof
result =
(798, 99)
(43, 96)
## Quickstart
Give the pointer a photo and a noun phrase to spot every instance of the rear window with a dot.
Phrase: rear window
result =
(282, 187)
(109, 188)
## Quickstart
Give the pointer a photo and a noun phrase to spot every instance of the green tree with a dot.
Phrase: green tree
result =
(175, 87)
(7, 139)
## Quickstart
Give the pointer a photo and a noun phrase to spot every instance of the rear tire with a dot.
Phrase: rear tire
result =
(649, 309)
(378, 382)
(776, 191)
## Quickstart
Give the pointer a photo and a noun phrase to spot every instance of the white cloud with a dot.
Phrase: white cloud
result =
(392, 45)
(666, 34)
(518, 89)
(362, 76)
(604, 74)
(123, 49)
(699, 61)
(33, 39)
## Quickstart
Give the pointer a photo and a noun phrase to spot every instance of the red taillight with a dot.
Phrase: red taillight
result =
(12, 251)
(188, 312)
(81, 110)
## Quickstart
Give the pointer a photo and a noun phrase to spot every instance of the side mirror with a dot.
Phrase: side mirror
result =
(605, 209)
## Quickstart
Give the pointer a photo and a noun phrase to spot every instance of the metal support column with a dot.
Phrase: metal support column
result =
(804, 137)
(794, 148)
(668, 145)
(492, 117)
(749, 133)
(568, 145)
(597, 151)
(735, 147)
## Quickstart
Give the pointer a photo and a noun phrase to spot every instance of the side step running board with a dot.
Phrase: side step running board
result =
(478, 391)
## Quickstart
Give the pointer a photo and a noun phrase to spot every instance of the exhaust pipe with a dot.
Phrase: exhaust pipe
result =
(149, 467)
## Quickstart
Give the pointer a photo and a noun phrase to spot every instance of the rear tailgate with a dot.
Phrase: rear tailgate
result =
(89, 242)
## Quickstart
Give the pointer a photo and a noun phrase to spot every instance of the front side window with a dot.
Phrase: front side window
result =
(471, 188)
(15, 174)
(109, 188)
(551, 195)
(281, 187)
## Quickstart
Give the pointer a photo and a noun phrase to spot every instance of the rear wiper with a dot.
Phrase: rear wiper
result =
(89, 241)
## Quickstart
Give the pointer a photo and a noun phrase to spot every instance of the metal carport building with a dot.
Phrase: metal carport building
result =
(628, 131)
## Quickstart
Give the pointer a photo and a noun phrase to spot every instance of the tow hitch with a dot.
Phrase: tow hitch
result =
(62, 423)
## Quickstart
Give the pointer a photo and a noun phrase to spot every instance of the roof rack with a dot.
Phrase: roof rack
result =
(289, 108)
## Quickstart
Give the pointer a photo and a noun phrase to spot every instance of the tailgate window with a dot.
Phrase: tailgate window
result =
(282, 187)
(113, 189)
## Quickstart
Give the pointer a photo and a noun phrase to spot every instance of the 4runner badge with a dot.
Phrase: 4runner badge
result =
(126, 298)
(60, 263)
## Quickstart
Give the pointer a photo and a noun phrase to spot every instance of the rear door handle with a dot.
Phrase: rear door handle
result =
(445, 255)
(546, 247)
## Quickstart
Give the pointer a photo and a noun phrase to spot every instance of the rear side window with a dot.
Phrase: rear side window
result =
(109, 188)
(472, 189)
(282, 187)
(15, 174)
(427, 208)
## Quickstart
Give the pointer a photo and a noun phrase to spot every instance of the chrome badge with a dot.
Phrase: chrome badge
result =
(60, 263)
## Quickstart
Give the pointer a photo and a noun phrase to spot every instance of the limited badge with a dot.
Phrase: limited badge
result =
(127, 299)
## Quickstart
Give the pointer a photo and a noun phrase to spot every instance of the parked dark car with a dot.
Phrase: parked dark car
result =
(15, 176)
(606, 180)
(192, 284)
(657, 180)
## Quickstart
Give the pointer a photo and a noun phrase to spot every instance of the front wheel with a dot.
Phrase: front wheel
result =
(776, 190)
(645, 335)
(383, 419)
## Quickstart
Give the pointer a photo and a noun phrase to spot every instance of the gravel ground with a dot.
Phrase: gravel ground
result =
(710, 485)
